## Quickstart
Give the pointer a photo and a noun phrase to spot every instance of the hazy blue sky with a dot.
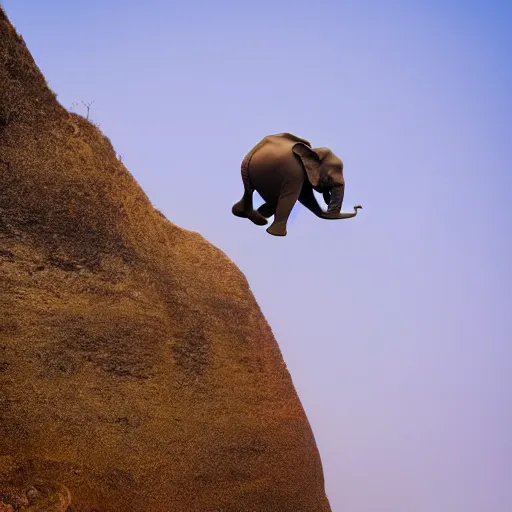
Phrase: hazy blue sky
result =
(396, 325)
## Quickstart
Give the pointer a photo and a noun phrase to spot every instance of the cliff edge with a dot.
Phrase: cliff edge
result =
(137, 372)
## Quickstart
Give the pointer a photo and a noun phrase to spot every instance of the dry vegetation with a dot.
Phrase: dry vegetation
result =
(137, 372)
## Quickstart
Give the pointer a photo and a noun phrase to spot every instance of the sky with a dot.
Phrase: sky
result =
(395, 325)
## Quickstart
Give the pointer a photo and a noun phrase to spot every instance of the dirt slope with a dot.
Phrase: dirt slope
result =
(137, 372)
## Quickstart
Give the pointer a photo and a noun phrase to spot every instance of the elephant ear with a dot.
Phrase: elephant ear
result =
(311, 162)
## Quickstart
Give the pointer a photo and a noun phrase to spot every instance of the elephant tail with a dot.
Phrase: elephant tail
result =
(244, 207)
(245, 165)
(244, 168)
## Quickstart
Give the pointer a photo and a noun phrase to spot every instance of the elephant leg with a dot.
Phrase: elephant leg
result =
(285, 203)
(267, 210)
(244, 208)
(239, 208)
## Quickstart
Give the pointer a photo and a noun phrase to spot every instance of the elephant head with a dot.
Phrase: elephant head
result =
(325, 173)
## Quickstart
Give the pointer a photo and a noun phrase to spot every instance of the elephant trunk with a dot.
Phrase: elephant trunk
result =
(335, 202)
(336, 199)
(347, 215)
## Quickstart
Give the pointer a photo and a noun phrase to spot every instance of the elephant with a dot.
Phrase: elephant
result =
(284, 169)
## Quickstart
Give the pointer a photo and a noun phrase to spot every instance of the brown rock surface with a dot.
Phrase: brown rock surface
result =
(137, 372)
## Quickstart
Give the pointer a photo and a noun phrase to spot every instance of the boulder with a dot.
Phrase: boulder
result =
(137, 372)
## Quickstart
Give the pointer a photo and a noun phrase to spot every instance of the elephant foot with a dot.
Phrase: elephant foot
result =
(277, 230)
(239, 211)
(266, 210)
(257, 218)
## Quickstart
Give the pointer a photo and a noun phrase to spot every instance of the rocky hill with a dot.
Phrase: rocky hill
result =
(137, 372)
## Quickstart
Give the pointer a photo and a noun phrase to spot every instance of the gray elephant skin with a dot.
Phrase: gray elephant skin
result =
(284, 169)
